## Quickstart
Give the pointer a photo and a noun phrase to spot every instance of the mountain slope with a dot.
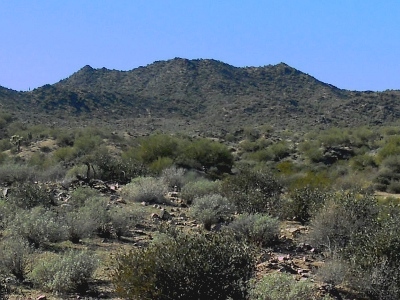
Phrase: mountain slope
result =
(211, 95)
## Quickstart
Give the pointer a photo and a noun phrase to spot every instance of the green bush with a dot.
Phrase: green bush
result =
(211, 209)
(281, 286)
(81, 194)
(87, 220)
(305, 202)
(361, 162)
(259, 229)
(86, 143)
(159, 145)
(199, 188)
(161, 163)
(11, 172)
(38, 226)
(27, 195)
(344, 222)
(15, 256)
(145, 189)
(253, 191)
(123, 220)
(390, 148)
(204, 154)
(185, 267)
(65, 154)
(69, 273)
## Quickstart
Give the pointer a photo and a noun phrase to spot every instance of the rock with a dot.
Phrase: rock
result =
(5, 192)
(41, 297)
(164, 215)
(155, 216)
(143, 203)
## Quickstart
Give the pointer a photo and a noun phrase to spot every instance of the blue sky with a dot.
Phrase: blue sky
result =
(352, 44)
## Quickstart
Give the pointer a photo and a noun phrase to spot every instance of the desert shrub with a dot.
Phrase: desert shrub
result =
(375, 261)
(207, 155)
(305, 202)
(11, 172)
(15, 256)
(161, 163)
(65, 154)
(52, 173)
(108, 167)
(344, 221)
(123, 220)
(145, 189)
(155, 146)
(87, 220)
(361, 162)
(390, 148)
(38, 226)
(363, 136)
(334, 271)
(256, 228)
(394, 187)
(253, 191)
(211, 209)
(279, 150)
(69, 272)
(86, 143)
(313, 179)
(334, 137)
(76, 170)
(185, 267)
(27, 195)
(64, 138)
(312, 150)
(281, 286)
(5, 144)
(173, 177)
(389, 172)
(3, 157)
(81, 194)
(6, 212)
(199, 188)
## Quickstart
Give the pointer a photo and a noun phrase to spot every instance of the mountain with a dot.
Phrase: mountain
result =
(206, 94)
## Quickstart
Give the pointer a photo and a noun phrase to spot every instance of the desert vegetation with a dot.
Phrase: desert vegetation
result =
(263, 214)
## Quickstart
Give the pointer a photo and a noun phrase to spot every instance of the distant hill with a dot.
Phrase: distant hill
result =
(205, 95)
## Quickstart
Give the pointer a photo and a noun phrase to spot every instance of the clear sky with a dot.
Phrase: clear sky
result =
(352, 44)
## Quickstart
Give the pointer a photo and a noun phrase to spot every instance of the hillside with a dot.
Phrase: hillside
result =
(205, 95)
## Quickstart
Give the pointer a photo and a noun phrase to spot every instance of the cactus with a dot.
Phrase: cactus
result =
(16, 141)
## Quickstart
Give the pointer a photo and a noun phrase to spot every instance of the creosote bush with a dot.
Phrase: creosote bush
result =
(253, 191)
(199, 188)
(68, 272)
(145, 189)
(281, 286)
(15, 256)
(211, 209)
(345, 222)
(185, 267)
(38, 226)
(27, 195)
(259, 229)
(305, 202)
